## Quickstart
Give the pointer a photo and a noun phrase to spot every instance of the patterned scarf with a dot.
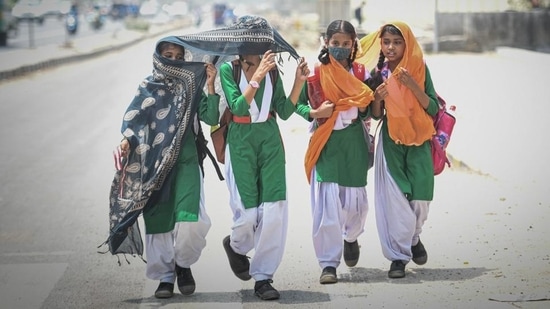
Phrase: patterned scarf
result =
(155, 122)
(250, 35)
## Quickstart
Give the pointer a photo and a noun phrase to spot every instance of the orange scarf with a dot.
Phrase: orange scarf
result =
(408, 122)
(345, 91)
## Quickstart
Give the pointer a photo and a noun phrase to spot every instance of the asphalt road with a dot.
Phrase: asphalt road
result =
(487, 233)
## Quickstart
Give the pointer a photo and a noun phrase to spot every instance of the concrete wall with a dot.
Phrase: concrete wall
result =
(486, 31)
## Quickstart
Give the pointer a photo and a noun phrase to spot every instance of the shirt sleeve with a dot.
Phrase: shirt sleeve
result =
(302, 106)
(209, 111)
(283, 105)
(429, 89)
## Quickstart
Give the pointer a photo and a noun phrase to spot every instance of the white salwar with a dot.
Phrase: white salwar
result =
(183, 246)
(262, 228)
(399, 221)
(339, 213)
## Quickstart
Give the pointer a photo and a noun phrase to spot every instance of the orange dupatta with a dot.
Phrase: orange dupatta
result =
(408, 122)
(345, 91)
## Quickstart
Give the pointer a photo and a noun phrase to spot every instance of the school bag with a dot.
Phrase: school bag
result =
(219, 134)
(444, 122)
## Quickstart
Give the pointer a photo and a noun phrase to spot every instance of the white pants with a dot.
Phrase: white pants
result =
(183, 246)
(261, 228)
(399, 221)
(339, 213)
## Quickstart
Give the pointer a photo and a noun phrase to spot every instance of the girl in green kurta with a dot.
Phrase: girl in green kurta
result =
(255, 166)
(339, 175)
(404, 100)
(161, 126)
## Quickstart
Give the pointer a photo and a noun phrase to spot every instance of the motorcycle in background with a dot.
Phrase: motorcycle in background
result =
(96, 19)
(71, 20)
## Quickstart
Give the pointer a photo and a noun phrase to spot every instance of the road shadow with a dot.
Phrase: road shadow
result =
(413, 275)
(293, 297)
(247, 296)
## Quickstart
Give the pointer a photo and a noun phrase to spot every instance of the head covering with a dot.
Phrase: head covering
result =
(249, 35)
(408, 123)
(160, 114)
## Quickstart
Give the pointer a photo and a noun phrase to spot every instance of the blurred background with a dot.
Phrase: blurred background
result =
(440, 24)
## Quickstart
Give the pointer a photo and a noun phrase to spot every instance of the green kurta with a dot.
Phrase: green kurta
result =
(411, 167)
(344, 159)
(184, 199)
(256, 149)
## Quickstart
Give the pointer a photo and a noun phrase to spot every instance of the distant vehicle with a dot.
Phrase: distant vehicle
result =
(40, 9)
(28, 9)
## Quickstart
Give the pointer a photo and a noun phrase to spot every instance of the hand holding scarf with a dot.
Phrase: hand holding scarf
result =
(345, 91)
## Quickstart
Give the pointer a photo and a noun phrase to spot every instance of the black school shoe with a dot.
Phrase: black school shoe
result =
(419, 254)
(265, 291)
(351, 253)
(239, 263)
(328, 276)
(165, 290)
(186, 282)
(397, 269)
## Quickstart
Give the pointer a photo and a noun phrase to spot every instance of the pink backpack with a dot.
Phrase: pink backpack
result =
(444, 122)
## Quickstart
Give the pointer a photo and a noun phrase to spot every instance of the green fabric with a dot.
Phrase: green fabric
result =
(256, 149)
(411, 167)
(184, 202)
(344, 159)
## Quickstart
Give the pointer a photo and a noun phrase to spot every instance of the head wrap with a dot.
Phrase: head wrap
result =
(161, 112)
(249, 35)
(408, 123)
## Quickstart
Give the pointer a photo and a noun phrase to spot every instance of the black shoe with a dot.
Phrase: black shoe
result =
(265, 291)
(397, 269)
(420, 256)
(165, 290)
(328, 276)
(351, 253)
(239, 263)
(186, 282)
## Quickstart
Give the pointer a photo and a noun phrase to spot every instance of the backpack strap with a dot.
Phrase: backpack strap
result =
(358, 70)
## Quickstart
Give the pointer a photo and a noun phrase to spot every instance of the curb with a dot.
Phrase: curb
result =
(47, 64)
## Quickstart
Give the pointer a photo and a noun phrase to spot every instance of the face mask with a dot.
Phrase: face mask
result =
(339, 53)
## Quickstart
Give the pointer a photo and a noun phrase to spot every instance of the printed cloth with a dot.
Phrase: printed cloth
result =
(154, 123)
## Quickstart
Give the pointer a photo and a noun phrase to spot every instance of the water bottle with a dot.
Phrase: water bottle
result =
(445, 127)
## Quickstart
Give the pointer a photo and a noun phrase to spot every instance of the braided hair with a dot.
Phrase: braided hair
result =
(376, 79)
(339, 26)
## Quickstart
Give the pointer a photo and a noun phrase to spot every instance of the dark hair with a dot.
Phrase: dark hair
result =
(376, 79)
(339, 26)
(163, 45)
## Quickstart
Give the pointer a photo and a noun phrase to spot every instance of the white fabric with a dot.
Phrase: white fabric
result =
(262, 228)
(183, 246)
(399, 221)
(420, 209)
(262, 114)
(339, 213)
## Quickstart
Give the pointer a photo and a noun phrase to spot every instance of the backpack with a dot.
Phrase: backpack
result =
(219, 134)
(444, 123)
